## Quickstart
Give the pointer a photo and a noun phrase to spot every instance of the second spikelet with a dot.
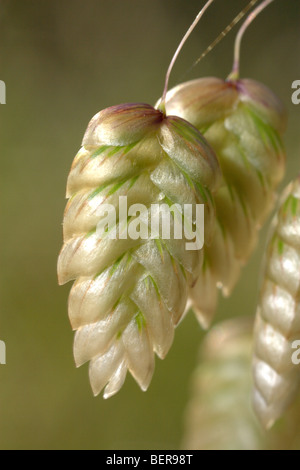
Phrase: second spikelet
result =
(219, 415)
(129, 293)
(276, 377)
(243, 121)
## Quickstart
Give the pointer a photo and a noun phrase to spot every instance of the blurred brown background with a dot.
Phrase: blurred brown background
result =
(63, 61)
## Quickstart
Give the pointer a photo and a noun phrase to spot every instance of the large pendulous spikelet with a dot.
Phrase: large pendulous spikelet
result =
(243, 121)
(129, 294)
(276, 377)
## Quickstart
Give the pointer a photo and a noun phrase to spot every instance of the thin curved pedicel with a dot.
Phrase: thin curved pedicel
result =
(243, 121)
(276, 378)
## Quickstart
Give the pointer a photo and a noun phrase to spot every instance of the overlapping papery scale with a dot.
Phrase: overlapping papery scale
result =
(129, 294)
(243, 122)
(276, 376)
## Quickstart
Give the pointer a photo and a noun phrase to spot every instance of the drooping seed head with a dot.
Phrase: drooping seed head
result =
(130, 293)
(276, 377)
(243, 122)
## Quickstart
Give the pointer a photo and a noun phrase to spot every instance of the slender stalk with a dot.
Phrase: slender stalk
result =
(227, 30)
(174, 58)
(237, 48)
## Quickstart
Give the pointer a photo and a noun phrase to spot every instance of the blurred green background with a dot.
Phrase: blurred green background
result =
(63, 61)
